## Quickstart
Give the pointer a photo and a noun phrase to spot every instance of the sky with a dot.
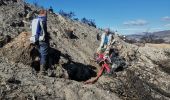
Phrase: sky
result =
(124, 16)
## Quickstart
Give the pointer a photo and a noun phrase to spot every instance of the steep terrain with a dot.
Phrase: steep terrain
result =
(146, 78)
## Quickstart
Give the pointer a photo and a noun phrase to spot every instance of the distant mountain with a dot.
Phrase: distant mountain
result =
(165, 35)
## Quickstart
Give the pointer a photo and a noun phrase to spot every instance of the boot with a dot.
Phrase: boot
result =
(42, 70)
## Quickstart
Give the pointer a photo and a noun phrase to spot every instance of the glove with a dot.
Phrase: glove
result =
(34, 44)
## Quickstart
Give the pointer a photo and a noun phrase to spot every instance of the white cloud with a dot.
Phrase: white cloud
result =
(131, 29)
(156, 28)
(166, 18)
(139, 22)
(126, 31)
(139, 30)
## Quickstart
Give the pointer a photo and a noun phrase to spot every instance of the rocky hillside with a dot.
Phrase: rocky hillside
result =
(147, 76)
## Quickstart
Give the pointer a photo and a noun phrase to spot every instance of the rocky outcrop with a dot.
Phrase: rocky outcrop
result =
(146, 76)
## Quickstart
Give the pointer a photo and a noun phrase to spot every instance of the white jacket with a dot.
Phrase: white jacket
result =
(105, 40)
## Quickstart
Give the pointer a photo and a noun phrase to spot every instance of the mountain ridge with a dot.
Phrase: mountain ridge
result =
(165, 35)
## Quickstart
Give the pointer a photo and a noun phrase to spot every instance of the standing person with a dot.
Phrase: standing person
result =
(40, 38)
(103, 57)
(106, 41)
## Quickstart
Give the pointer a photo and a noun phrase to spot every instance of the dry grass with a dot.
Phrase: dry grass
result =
(19, 49)
(159, 45)
(21, 41)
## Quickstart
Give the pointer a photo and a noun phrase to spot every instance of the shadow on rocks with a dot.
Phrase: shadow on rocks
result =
(54, 57)
(4, 40)
(13, 80)
(35, 63)
(70, 34)
(78, 71)
(75, 71)
(164, 65)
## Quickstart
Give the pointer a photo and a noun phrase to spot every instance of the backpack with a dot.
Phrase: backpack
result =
(34, 26)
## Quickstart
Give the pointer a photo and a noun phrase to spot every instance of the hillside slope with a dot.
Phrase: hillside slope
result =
(146, 78)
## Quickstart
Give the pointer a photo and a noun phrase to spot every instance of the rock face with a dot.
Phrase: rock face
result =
(147, 76)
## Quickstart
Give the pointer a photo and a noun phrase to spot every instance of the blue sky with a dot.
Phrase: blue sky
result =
(125, 16)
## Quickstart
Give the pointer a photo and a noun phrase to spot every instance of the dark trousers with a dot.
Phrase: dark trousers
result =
(43, 50)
